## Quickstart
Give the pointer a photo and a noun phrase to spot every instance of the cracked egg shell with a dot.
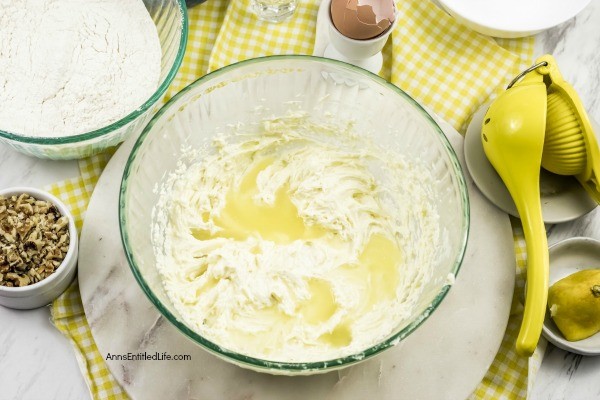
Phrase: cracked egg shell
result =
(362, 19)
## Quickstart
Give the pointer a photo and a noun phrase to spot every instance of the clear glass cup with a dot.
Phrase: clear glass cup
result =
(273, 10)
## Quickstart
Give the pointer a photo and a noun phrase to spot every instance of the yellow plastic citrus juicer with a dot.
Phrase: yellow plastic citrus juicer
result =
(570, 147)
(513, 140)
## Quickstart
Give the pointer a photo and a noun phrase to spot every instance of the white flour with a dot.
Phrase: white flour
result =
(72, 66)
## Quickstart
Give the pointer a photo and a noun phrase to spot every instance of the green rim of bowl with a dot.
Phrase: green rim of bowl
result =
(297, 367)
(160, 91)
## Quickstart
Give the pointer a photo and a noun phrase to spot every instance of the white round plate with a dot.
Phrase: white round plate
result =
(513, 18)
(453, 348)
(563, 198)
(566, 258)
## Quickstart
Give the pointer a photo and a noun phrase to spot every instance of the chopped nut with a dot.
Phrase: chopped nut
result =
(20, 281)
(25, 228)
(13, 257)
(9, 238)
(53, 210)
(26, 208)
(50, 236)
(34, 240)
(63, 239)
(62, 222)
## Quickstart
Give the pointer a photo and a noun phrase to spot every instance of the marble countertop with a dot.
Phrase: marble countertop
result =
(36, 361)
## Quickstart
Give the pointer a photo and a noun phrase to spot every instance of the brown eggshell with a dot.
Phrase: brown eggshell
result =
(357, 19)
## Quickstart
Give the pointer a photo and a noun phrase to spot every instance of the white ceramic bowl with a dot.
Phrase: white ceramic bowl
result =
(566, 258)
(43, 292)
(512, 18)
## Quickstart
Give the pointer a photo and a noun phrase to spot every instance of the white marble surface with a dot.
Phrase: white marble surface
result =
(36, 362)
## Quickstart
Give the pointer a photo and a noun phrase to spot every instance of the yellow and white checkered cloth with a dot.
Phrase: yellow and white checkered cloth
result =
(243, 36)
(442, 64)
(448, 67)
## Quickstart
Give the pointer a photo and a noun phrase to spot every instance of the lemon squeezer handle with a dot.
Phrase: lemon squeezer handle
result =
(537, 274)
(513, 141)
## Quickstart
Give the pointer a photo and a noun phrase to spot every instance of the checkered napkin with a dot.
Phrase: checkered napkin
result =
(442, 64)
(448, 67)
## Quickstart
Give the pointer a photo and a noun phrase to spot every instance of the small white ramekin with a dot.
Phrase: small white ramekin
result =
(43, 292)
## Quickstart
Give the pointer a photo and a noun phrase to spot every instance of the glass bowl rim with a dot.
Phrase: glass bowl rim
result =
(96, 133)
(295, 367)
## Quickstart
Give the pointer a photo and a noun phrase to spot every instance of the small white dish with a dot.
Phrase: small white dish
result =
(512, 18)
(43, 292)
(566, 258)
(563, 198)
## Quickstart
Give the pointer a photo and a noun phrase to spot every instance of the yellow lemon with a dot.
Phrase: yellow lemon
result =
(574, 304)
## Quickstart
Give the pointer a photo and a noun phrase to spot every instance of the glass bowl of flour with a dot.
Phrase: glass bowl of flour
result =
(80, 77)
(294, 215)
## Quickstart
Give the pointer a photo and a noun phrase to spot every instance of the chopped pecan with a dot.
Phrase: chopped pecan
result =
(34, 240)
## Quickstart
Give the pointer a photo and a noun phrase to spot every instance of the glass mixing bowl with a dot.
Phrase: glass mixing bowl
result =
(252, 90)
(171, 20)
